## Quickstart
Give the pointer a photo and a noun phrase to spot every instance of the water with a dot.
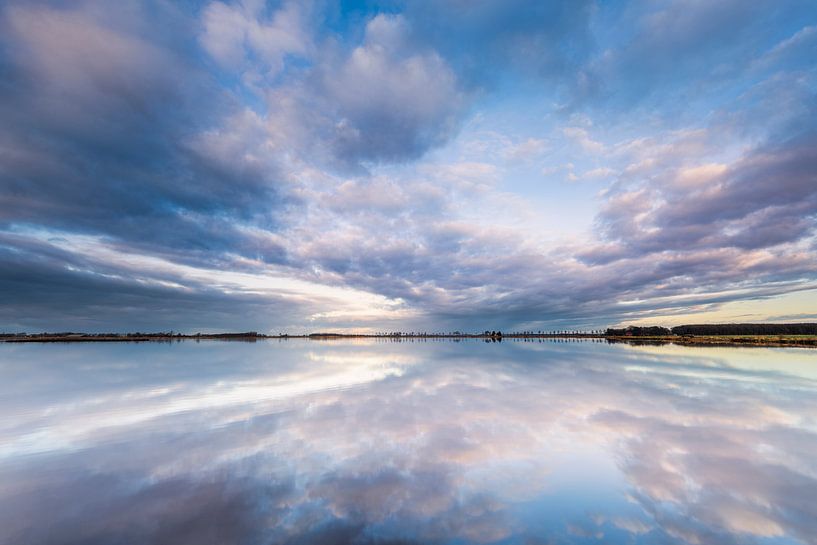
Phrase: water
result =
(340, 442)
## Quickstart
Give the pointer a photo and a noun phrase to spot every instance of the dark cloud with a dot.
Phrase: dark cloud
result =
(392, 102)
(102, 129)
(766, 199)
(46, 288)
(381, 100)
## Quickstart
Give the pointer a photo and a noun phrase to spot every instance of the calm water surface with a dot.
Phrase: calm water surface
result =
(308, 442)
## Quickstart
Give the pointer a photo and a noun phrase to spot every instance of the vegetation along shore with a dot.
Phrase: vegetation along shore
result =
(800, 334)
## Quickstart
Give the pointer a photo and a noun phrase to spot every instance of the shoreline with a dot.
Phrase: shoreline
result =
(83, 337)
(799, 341)
(769, 341)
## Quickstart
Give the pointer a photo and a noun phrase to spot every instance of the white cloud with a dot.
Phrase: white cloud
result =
(600, 172)
(240, 35)
(582, 137)
(525, 150)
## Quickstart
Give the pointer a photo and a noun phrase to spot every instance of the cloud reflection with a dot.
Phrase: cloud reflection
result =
(394, 443)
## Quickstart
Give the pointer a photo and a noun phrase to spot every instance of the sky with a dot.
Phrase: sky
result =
(419, 166)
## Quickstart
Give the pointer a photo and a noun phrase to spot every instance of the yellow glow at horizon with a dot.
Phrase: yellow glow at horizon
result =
(782, 308)
(345, 302)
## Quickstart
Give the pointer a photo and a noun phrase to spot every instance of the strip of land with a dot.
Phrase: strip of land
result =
(746, 334)
(802, 341)
(782, 335)
(252, 336)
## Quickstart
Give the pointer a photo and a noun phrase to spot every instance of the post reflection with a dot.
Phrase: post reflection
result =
(356, 442)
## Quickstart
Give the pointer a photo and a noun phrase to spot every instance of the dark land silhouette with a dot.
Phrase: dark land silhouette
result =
(751, 334)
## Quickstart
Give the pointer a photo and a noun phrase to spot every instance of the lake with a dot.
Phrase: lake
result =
(379, 442)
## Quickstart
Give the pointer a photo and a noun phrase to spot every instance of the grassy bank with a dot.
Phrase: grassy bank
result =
(806, 341)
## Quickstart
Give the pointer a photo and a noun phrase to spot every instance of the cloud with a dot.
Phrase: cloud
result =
(392, 103)
(325, 147)
(599, 172)
(46, 288)
(381, 101)
(762, 200)
(343, 104)
(69, 282)
(582, 138)
(525, 150)
(239, 36)
(95, 138)
(679, 50)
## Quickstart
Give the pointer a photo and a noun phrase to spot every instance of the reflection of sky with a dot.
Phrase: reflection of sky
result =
(307, 442)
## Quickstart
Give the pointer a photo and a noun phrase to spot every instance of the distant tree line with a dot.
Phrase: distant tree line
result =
(746, 329)
(715, 329)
